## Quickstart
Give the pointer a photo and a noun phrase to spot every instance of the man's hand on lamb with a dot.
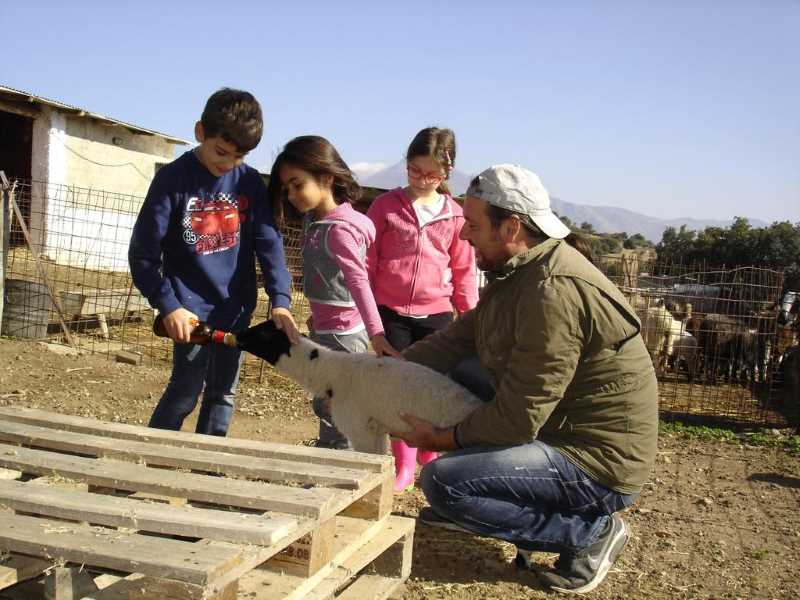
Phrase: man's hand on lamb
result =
(425, 436)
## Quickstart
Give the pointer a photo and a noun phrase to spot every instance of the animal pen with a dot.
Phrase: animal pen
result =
(712, 332)
(67, 276)
(713, 335)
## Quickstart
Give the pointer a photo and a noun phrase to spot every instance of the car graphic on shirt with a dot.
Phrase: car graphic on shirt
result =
(215, 218)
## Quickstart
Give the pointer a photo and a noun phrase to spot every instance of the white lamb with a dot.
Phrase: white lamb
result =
(684, 353)
(661, 331)
(367, 393)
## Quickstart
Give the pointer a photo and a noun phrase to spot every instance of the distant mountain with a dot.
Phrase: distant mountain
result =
(610, 219)
(395, 176)
(604, 219)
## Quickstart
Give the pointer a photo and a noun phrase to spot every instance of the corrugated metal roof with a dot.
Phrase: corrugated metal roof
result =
(82, 112)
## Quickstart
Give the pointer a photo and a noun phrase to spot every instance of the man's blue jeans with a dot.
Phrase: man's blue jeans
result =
(529, 495)
(212, 370)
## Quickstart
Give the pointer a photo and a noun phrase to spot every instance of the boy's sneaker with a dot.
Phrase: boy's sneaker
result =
(585, 570)
(428, 516)
(523, 560)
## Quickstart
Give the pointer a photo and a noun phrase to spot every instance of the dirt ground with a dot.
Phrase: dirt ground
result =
(716, 520)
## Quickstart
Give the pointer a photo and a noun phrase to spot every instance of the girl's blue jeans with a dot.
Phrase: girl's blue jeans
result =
(530, 495)
(211, 370)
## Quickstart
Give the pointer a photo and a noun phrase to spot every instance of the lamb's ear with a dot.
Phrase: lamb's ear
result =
(329, 393)
(313, 354)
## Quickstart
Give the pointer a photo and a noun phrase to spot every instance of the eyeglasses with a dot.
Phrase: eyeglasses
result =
(417, 173)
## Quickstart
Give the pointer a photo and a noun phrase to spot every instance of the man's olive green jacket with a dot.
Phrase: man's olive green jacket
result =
(563, 352)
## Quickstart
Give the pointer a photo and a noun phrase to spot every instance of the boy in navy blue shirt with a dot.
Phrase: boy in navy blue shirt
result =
(192, 255)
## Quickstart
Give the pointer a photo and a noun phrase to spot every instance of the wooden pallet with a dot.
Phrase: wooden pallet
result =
(185, 516)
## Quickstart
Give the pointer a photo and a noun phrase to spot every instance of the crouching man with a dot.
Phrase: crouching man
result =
(568, 433)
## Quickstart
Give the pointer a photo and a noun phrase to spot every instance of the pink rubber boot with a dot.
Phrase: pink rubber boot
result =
(426, 456)
(405, 465)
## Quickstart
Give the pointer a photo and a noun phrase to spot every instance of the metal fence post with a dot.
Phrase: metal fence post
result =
(5, 234)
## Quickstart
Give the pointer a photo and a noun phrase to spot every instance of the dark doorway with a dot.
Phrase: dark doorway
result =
(16, 134)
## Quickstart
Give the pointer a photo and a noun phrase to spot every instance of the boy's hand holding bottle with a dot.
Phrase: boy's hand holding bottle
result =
(180, 324)
(285, 322)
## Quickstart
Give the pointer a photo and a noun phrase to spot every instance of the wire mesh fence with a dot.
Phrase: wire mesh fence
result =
(67, 269)
(713, 336)
(712, 333)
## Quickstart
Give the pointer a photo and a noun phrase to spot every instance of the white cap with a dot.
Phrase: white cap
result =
(519, 190)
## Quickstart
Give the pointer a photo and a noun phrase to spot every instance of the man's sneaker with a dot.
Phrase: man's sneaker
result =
(585, 570)
(428, 516)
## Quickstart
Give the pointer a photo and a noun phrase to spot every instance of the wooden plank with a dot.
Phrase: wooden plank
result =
(59, 482)
(185, 458)
(113, 303)
(320, 456)
(19, 568)
(374, 587)
(6, 474)
(377, 503)
(160, 498)
(128, 357)
(391, 548)
(231, 592)
(357, 543)
(309, 553)
(350, 533)
(205, 488)
(347, 530)
(115, 511)
(68, 583)
(396, 560)
(31, 111)
(139, 587)
(112, 549)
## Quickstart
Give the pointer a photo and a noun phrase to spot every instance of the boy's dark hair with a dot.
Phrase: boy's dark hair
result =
(316, 155)
(440, 145)
(235, 116)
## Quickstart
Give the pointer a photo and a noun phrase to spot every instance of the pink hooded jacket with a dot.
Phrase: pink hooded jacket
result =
(420, 270)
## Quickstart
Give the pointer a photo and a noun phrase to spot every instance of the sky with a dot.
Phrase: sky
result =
(682, 108)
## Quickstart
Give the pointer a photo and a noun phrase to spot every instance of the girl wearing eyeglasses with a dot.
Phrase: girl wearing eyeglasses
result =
(420, 271)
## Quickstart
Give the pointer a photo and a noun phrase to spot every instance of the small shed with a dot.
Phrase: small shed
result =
(48, 140)
(75, 168)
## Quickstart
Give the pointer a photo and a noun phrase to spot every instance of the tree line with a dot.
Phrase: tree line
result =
(740, 244)
(775, 247)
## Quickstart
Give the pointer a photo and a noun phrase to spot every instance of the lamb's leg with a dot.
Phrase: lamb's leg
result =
(367, 437)
(382, 443)
(380, 433)
(353, 423)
